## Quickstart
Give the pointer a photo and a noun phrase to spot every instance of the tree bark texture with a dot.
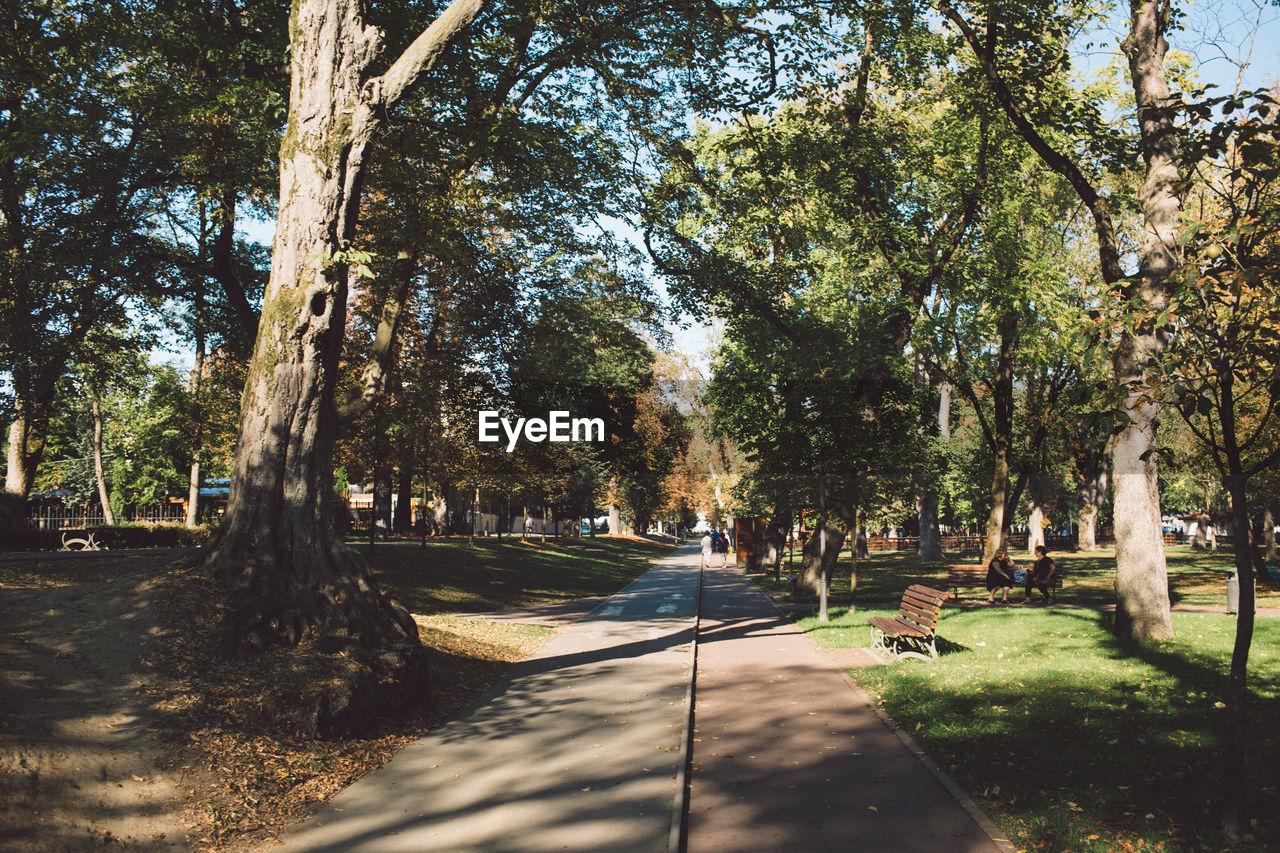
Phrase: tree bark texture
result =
(1200, 540)
(1035, 527)
(615, 511)
(1269, 531)
(1142, 586)
(197, 376)
(1234, 818)
(1091, 487)
(1001, 438)
(930, 546)
(810, 580)
(33, 393)
(95, 405)
(1142, 595)
(1088, 524)
(403, 521)
(291, 578)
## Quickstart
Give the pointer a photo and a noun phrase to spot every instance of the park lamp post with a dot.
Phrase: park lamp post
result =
(823, 581)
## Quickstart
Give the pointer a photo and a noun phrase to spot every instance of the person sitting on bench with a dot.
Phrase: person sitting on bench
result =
(1042, 574)
(999, 576)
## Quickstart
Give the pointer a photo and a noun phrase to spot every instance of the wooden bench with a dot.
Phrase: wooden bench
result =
(976, 576)
(911, 633)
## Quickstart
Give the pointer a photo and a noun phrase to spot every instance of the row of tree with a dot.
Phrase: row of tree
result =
(950, 214)
(898, 204)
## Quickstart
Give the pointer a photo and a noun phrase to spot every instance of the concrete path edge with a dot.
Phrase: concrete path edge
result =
(957, 793)
(680, 804)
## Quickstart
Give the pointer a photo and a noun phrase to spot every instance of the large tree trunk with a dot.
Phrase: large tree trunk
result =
(197, 419)
(1142, 594)
(1142, 585)
(774, 537)
(95, 405)
(1035, 527)
(615, 511)
(810, 581)
(1091, 488)
(291, 577)
(1269, 531)
(1001, 440)
(1088, 523)
(930, 547)
(1234, 818)
(403, 520)
(996, 526)
(33, 393)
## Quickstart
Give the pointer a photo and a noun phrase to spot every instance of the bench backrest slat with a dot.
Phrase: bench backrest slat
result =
(922, 606)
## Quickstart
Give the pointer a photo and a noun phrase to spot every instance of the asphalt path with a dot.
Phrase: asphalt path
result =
(578, 748)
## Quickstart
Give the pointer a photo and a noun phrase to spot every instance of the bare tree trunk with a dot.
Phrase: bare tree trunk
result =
(95, 404)
(930, 533)
(291, 578)
(1206, 538)
(197, 419)
(1088, 522)
(1091, 488)
(1142, 585)
(996, 525)
(1001, 440)
(810, 581)
(930, 547)
(32, 405)
(1035, 527)
(403, 517)
(615, 511)
(1269, 531)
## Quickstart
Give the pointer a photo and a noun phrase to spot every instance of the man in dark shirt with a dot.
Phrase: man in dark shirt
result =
(1042, 574)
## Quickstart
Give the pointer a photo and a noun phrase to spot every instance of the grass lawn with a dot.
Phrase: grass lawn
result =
(1195, 577)
(453, 576)
(1072, 740)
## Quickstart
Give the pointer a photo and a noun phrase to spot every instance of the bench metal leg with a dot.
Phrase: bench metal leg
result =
(897, 648)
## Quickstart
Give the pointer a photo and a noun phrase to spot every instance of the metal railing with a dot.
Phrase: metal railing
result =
(53, 517)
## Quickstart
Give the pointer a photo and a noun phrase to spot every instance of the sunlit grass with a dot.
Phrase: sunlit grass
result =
(1073, 740)
(454, 576)
(1195, 577)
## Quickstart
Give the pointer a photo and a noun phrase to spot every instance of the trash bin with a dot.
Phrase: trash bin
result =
(1233, 593)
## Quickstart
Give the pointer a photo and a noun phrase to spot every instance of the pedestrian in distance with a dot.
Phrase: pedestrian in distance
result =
(707, 543)
(1000, 576)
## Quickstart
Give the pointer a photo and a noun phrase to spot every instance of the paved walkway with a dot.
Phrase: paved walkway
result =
(579, 748)
(584, 747)
(788, 755)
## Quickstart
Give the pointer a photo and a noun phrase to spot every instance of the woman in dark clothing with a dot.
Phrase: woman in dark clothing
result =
(1000, 576)
(1041, 574)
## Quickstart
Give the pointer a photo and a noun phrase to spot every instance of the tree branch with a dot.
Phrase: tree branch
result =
(1104, 227)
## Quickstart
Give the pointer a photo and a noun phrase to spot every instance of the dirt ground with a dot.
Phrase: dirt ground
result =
(120, 729)
(80, 767)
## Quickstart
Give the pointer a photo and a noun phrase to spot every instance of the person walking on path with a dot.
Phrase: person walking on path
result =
(708, 542)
